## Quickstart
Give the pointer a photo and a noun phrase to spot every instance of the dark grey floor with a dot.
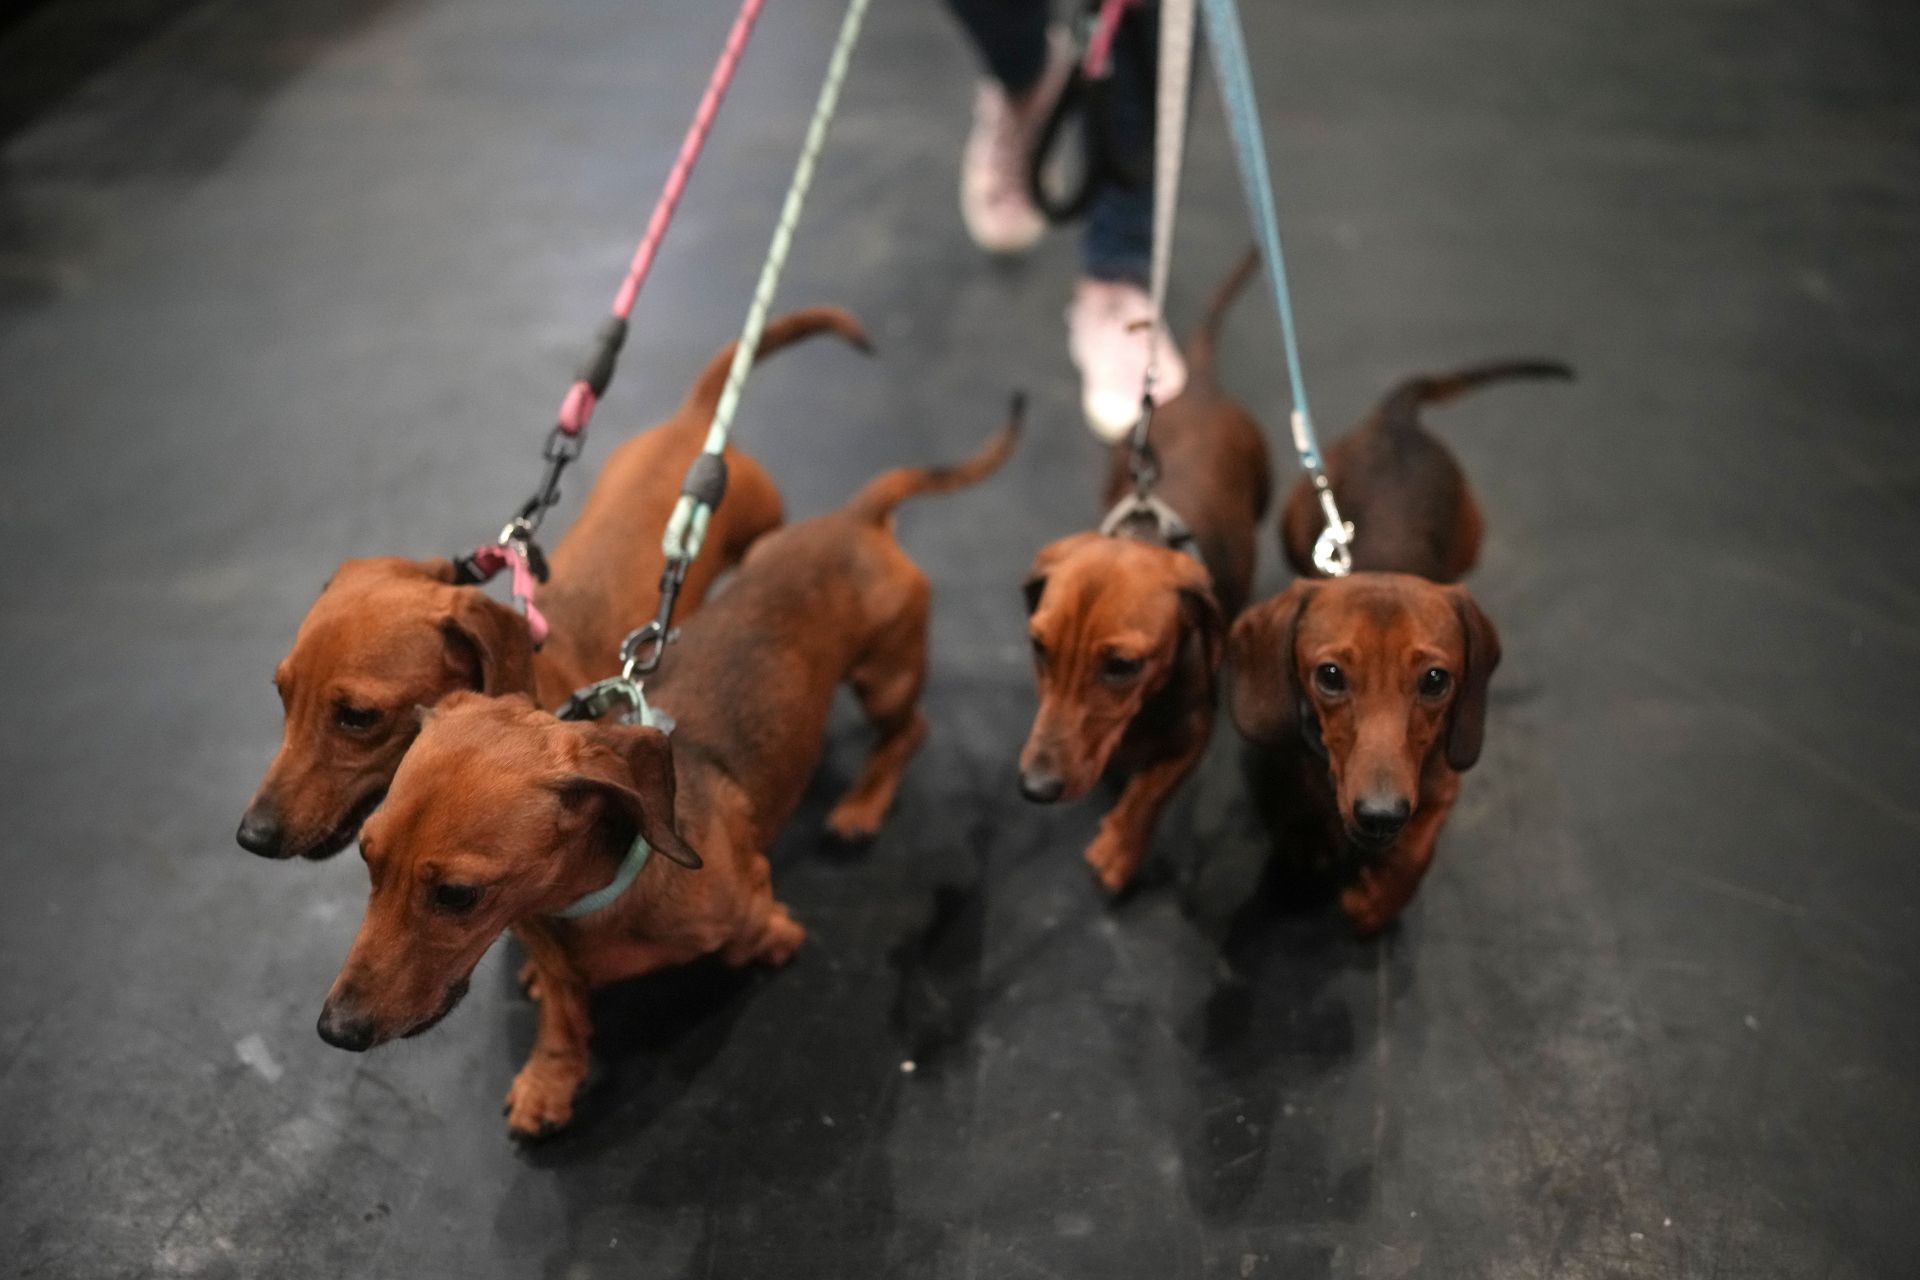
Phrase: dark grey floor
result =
(284, 282)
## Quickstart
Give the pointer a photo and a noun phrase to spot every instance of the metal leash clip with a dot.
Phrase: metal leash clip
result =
(1168, 527)
(641, 651)
(1333, 549)
(518, 534)
(615, 693)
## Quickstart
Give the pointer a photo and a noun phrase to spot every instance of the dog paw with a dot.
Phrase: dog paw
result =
(781, 937)
(1113, 861)
(540, 1104)
(1368, 910)
(855, 821)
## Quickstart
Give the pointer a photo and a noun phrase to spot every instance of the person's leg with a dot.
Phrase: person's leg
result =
(1011, 37)
(1118, 243)
(1107, 333)
(1027, 67)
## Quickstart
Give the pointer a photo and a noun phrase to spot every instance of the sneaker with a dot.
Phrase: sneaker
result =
(1108, 329)
(1000, 215)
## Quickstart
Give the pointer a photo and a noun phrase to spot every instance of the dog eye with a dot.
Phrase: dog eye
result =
(1330, 679)
(457, 899)
(355, 719)
(1119, 669)
(1435, 682)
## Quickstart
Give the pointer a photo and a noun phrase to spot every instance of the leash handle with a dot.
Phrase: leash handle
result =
(1333, 552)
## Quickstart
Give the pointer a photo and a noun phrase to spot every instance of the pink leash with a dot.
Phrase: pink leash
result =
(515, 548)
(1100, 42)
(576, 410)
(490, 558)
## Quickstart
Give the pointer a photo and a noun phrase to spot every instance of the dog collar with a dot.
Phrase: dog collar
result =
(1150, 520)
(623, 879)
(591, 703)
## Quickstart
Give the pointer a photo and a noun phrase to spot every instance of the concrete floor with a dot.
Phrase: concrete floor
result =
(283, 282)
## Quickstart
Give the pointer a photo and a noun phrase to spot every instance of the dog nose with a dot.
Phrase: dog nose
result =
(1381, 818)
(260, 832)
(344, 1030)
(1041, 788)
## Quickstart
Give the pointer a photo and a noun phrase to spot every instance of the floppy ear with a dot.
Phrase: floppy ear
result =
(1468, 719)
(1200, 611)
(1265, 697)
(488, 643)
(1206, 624)
(646, 798)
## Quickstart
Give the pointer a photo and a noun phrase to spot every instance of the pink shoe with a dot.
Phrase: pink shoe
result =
(994, 203)
(1108, 329)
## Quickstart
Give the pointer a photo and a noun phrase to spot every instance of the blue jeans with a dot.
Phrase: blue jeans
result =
(1011, 37)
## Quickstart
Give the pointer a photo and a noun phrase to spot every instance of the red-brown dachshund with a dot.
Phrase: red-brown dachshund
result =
(500, 816)
(1368, 695)
(1411, 507)
(1128, 633)
(389, 634)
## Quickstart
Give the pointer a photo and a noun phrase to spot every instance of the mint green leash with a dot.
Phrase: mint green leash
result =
(706, 481)
(687, 527)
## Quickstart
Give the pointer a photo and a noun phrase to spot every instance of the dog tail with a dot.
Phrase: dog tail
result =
(890, 488)
(795, 326)
(1206, 334)
(1401, 408)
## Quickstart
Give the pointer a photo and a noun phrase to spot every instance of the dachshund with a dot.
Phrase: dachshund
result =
(389, 634)
(501, 815)
(1409, 502)
(1128, 632)
(1366, 698)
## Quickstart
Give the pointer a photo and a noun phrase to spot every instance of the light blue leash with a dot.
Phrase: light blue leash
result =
(1333, 550)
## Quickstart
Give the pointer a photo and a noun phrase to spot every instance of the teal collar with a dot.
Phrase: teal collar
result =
(623, 880)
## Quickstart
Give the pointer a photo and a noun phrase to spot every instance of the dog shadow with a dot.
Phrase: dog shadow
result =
(1286, 1107)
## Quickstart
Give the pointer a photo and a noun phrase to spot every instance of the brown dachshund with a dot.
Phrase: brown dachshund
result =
(389, 634)
(1368, 695)
(1128, 633)
(1411, 509)
(501, 815)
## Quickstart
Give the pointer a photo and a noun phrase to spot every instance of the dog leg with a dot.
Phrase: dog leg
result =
(540, 1102)
(1383, 891)
(888, 684)
(1127, 830)
(769, 934)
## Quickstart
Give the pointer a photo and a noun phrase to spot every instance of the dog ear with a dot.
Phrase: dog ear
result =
(1033, 588)
(1468, 719)
(645, 797)
(1036, 584)
(1265, 697)
(488, 643)
(1200, 611)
